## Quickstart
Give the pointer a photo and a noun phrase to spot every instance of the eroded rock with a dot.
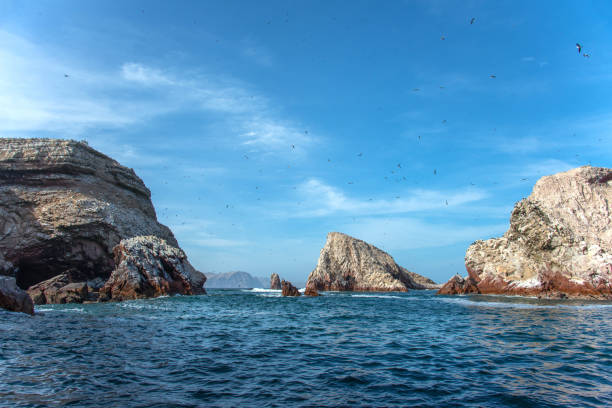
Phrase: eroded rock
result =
(64, 205)
(148, 266)
(288, 289)
(14, 298)
(559, 243)
(349, 264)
(59, 289)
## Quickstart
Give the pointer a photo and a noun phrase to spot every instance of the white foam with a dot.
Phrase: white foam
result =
(379, 296)
(513, 305)
(67, 310)
(262, 290)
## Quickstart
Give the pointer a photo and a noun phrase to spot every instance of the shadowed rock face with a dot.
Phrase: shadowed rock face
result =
(289, 290)
(149, 267)
(59, 289)
(349, 264)
(275, 282)
(13, 298)
(63, 205)
(559, 243)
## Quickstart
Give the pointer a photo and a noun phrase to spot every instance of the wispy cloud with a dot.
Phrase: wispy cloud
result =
(41, 93)
(398, 233)
(320, 199)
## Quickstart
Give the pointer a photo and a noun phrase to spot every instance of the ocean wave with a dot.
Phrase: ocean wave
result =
(379, 296)
(262, 290)
(62, 310)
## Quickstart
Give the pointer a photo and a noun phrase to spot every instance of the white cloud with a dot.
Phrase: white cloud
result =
(144, 75)
(321, 199)
(39, 92)
(399, 233)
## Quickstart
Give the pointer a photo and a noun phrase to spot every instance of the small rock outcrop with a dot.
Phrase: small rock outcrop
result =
(310, 291)
(275, 282)
(59, 289)
(13, 298)
(288, 289)
(63, 208)
(149, 267)
(349, 264)
(559, 243)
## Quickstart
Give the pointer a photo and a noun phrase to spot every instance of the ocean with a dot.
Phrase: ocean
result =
(253, 348)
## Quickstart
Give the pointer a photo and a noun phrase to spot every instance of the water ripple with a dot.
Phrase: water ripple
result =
(253, 348)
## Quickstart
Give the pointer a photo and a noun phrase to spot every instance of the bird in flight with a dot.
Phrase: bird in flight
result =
(435, 172)
(579, 47)
(65, 75)
(472, 20)
(443, 38)
(586, 55)
(492, 76)
(360, 154)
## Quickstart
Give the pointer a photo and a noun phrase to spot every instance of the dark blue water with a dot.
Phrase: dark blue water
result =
(243, 348)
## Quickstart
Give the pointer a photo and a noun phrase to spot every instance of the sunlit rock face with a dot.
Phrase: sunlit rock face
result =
(559, 243)
(349, 264)
(148, 267)
(63, 207)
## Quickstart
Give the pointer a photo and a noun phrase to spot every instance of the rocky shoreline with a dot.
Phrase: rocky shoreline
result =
(76, 226)
(559, 244)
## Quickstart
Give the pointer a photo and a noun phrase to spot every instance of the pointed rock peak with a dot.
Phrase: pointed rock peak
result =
(350, 264)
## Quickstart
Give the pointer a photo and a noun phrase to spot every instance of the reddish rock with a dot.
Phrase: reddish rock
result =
(150, 267)
(310, 291)
(458, 285)
(289, 289)
(275, 282)
(59, 289)
(13, 298)
(559, 243)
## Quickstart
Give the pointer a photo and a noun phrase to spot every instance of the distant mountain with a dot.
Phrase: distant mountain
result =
(233, 280)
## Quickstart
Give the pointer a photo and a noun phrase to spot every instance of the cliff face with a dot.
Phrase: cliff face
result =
(65, 206)
(149, 267)
(349, 264)
(559, 243)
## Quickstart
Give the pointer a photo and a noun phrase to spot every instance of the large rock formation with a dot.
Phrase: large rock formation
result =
(288, 289)
(275, 282)
(559, 243)
(14, 298)
(149, 267)
(64, 206)
(349, 264)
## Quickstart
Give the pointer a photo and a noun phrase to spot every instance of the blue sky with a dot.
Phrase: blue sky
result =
(261, 126)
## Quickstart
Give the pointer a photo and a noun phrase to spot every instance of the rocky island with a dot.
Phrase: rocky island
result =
(559, 243)
(349, 264)
(75, 225)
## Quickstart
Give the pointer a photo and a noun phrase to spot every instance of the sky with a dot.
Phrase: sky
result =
(259, 127)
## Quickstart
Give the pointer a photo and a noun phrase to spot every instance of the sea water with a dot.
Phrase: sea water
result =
(254, 348)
